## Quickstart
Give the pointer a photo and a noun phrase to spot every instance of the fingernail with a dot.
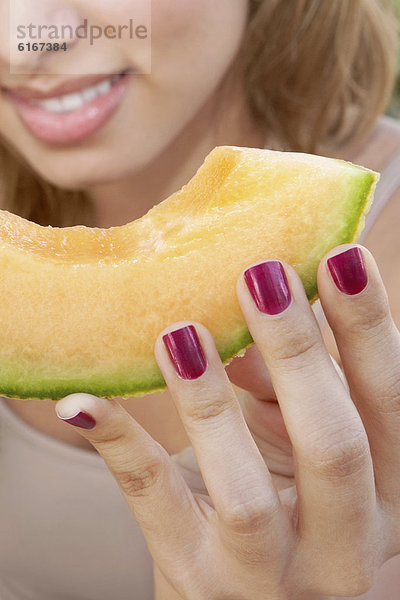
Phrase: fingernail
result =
(348, 271)
(185, 351)
(268, 286)
(81, 419)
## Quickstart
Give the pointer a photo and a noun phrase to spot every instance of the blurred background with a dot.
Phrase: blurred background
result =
(394, 109)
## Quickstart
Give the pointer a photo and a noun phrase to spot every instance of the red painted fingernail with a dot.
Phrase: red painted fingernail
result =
(82, 419)
(348, 271)
(268, 286)
(186, 353)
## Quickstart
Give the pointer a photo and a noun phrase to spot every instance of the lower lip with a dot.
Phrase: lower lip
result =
(74, 126)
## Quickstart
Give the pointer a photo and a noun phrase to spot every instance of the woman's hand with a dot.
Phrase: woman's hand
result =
(262, 413)
(330, 532)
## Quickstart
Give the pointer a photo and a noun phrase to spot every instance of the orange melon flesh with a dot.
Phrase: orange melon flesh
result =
(81, 307)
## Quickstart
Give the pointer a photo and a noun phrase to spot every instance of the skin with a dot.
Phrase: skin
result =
(175, 116)
(268, 540)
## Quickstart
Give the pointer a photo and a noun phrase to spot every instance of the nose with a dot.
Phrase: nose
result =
(32, 26)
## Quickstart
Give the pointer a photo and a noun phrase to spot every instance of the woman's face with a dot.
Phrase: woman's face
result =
(128, 124)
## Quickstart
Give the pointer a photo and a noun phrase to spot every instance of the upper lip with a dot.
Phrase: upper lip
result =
(66, 87)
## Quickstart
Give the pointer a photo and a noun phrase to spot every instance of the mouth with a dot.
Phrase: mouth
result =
(72, 116)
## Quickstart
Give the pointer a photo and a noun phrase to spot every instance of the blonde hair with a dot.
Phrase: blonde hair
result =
(317, 75)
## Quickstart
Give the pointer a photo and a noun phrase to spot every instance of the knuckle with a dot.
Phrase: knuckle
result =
(141, 480)
(210, 404)
(293, 349)
(339, 459)
(369, 320)
(249, 517)
(113, 440)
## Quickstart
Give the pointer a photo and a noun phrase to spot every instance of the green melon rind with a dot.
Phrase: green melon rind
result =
(42, 389)
(363, 189)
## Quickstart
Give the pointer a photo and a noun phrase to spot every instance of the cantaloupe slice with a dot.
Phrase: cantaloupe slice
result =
(81, 308)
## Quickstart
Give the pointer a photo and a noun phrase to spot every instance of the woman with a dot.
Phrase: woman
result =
(316, 77)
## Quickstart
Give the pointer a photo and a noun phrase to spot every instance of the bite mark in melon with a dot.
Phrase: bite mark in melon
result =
(81, 307)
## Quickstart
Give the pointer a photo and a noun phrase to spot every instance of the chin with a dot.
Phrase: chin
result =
(86, 169)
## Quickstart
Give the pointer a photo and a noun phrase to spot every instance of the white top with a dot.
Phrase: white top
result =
(65, 528)
(66, 531)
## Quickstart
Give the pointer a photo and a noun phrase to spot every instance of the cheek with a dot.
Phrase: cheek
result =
(195, 40)
(103, 11)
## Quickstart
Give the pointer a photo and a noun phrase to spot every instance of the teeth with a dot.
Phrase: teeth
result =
(89, 94)
(104, 87)
(52, 105)
(70, 102)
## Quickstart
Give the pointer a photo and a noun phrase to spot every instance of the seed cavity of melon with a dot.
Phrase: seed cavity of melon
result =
(81, 307)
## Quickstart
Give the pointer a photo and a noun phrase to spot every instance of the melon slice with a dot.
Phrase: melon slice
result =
(81, 307)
